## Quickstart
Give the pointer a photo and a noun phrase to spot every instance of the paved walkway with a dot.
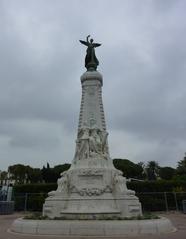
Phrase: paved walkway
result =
(178, 219)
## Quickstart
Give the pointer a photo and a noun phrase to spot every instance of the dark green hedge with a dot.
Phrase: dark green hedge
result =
(146, 186)
(35, 188)
(31, 197)
(151, 194)
(152, 197)
(157, 186)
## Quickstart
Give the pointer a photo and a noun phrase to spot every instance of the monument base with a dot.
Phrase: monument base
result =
(92, 227)
(92, 208)
(93, 193)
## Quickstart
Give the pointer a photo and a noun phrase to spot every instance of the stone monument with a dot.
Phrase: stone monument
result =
(92, 188)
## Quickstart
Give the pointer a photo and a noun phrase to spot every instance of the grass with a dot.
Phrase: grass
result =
(145, 216)
(36, 216)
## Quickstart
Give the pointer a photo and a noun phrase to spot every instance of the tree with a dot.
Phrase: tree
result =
(47, 174)
(50, 175)
(3, 177)
(167, 173)
(181, 168)
(35, 175)
(142, 165)
(19, 173)
(129, 169)
(152, 170)
(58, 169)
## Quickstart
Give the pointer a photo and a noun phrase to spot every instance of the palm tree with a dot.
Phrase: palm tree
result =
(152, 170)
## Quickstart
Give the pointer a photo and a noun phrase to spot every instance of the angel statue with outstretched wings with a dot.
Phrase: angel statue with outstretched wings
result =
(91, 61)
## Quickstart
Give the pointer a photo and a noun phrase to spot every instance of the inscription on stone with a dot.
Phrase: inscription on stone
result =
(93, 180)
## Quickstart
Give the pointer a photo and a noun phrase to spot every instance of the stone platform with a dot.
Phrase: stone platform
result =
(92, 227)
(91, 193)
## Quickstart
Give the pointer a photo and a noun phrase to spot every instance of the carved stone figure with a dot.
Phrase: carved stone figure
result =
(104, 136)
(91, 61)
(95, 142)
(90, 143)
(63, 183)
(82, 144)
(120, 186)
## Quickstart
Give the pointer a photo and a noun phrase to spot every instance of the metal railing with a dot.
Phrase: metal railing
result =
(162, 201)
(151, 201)
(3, 195)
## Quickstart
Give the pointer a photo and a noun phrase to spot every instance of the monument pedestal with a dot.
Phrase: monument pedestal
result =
(92, 193)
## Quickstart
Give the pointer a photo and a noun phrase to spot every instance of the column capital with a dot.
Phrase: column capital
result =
(92, 75)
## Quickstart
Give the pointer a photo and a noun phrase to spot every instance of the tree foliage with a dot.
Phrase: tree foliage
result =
(152, 170)
(181, 168)
(19, 173)
(167, 173)
(3, 176)
(23, 174)
(50, 175)
(129, 169)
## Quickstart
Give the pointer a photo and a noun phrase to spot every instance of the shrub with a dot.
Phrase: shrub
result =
(34, 188)
(31, 196)
(150, 193)
(156, 186)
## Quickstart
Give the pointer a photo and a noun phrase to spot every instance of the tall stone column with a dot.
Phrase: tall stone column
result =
(91, 143)
(91, 111)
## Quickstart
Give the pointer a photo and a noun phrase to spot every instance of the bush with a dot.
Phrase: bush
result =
(156, 186)
(35, 202)
(147, 192)
(34, 188)
(152, 197)
(31, 196)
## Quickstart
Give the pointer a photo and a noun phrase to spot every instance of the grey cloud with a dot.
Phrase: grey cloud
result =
(142, 59)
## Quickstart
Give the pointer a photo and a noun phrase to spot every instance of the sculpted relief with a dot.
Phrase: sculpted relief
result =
(119, 185)
(63, 185)
(91, 142)
(92, 191)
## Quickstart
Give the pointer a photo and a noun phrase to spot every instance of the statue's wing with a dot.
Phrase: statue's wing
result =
(84, 42)
(96, 44)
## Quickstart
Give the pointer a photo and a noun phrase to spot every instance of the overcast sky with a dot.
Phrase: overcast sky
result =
(142, 60)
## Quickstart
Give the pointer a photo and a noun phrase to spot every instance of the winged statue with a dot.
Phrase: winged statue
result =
(91, 61)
